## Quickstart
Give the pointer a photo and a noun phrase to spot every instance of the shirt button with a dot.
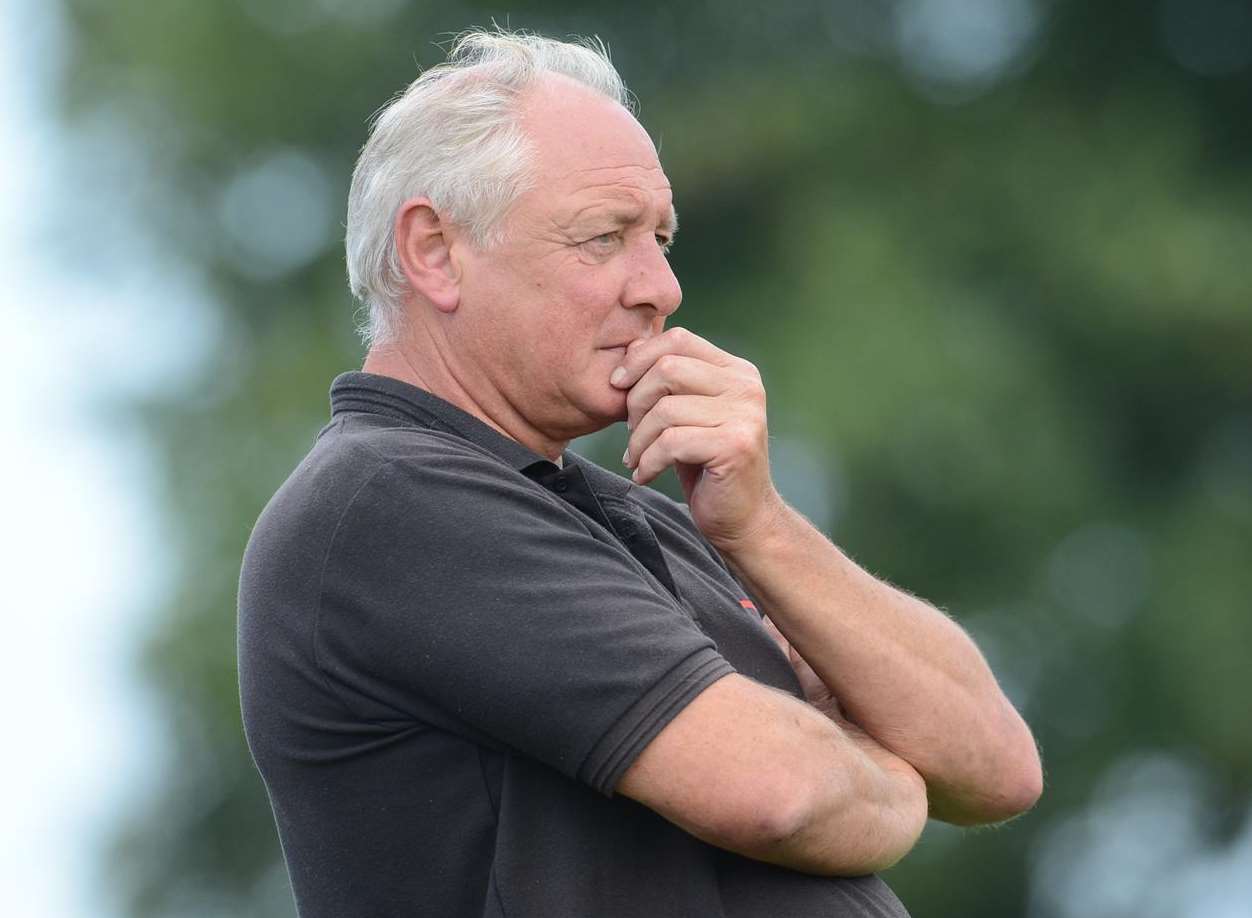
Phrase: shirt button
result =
(562, 485)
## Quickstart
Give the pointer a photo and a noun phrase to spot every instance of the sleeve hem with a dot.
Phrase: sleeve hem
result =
(621, 745)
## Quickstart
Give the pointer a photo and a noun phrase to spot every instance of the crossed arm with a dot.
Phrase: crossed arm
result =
(899, 669)
(904, 718)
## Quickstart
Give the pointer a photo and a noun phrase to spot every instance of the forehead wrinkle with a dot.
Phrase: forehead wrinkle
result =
(566, 175)
(622, 213)
(618, 213)
(611, 197)
(655, 168)
(638, 196)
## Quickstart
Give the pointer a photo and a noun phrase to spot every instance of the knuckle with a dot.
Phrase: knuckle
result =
(679, 335)
(664, 409)
(668, 363)
(753, 393)
(634, 404)
(742, 437)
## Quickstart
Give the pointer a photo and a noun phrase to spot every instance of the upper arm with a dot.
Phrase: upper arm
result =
(457, 592)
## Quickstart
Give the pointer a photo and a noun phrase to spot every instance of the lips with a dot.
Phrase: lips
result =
(621, 346)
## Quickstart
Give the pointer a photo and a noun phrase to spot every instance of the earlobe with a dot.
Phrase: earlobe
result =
(424, 247)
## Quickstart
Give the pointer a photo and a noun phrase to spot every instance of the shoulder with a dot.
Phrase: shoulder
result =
(354, 458)
(374, 441)
(430, 491)
(414, 482)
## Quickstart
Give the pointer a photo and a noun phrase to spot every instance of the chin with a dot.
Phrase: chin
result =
(603, 408)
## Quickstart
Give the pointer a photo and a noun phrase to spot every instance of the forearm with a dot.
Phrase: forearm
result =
(900, 669)
(840, 804)
(874, 797)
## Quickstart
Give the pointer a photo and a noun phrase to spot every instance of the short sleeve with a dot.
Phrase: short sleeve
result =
(453, 583)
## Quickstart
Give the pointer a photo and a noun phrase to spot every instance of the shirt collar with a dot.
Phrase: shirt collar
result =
(394, 398)
(581, 482)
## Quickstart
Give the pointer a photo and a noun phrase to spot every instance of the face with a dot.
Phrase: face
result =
(545, 316)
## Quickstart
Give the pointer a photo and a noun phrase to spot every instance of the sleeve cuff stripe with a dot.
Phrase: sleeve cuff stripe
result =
(621, 745)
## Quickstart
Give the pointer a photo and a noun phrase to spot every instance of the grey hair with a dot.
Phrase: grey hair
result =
(453, 136)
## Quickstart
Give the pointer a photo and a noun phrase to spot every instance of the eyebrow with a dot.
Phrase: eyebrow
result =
(625, 215)
(670, 223)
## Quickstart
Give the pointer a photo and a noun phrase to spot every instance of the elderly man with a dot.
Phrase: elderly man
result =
(482, 676)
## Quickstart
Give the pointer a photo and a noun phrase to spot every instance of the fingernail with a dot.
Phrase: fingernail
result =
(618, 377)
(626, 457)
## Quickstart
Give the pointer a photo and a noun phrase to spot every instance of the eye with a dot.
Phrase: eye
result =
(665, 242)
(604, 241)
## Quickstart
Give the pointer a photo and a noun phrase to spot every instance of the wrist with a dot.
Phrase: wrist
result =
(765, 528)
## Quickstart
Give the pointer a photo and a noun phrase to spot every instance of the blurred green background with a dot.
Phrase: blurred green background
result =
(994, 260)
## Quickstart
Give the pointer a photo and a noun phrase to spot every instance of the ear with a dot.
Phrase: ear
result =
(424, 247)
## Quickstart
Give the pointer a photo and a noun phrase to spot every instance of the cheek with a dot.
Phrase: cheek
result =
(598, 299)
(574, 312)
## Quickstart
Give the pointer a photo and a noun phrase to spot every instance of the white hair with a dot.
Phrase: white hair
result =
(453, 137)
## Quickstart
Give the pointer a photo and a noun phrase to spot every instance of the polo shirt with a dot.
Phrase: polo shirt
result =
(450, 650)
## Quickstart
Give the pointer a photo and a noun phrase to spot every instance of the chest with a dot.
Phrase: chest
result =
(719, 605)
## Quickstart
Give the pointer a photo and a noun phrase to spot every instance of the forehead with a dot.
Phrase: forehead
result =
(589, 150)
(618, 194)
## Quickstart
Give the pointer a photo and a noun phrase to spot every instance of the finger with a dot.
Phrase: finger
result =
(783, 644)
(644, 352)
(692, 445)
(673, 374)
(788, 648)
(673, 411)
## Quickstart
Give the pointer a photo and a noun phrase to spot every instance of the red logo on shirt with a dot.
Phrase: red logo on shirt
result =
(748, 604)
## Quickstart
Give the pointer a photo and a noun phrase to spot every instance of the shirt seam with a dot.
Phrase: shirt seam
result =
(443, 433)
(321, 584)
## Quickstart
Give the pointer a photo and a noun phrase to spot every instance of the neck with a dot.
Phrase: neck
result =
(426, 369)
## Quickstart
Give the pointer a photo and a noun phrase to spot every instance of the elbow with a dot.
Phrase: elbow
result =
(1016, 783)
(830, 828)
(1025, 785)
(1012, 787)
(1017, 795)
(778, 813)
(1021, 783)
(776, 821)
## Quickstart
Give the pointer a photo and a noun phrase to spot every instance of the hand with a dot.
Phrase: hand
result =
(702, 410)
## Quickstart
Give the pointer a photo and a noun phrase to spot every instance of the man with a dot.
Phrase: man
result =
(481, 675)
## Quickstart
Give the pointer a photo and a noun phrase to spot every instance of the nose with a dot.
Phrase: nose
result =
(652, 281)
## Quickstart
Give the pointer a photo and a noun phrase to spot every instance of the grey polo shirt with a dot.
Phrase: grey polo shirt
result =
(450, 649)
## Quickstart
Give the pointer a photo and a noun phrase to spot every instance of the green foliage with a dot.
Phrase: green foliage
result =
(1011, 335)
